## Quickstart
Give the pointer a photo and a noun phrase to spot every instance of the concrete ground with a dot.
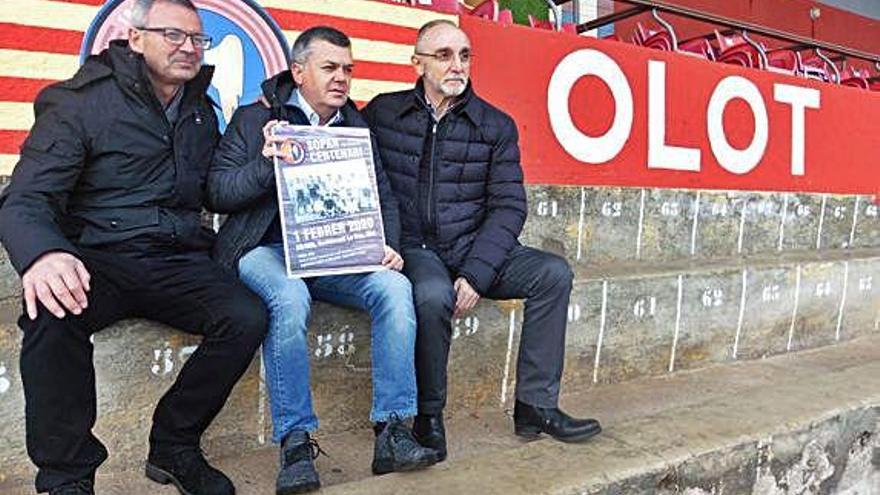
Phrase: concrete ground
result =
(651, 426)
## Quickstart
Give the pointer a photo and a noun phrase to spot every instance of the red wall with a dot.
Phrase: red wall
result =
(834, 25)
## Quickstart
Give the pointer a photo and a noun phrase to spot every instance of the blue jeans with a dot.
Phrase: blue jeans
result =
(386, 295)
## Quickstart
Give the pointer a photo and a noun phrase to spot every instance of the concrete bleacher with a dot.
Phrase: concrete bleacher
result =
(666, 281)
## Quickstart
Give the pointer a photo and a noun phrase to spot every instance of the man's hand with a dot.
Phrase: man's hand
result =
(56, 279)
(270, 142)
(392, 260)
(465, 297)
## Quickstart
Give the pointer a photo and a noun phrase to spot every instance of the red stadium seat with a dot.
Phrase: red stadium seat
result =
(649, 38)
(699, 47)
(737, 49)
(489, 9)
(784, 61)
(505, 17)
(857, 78)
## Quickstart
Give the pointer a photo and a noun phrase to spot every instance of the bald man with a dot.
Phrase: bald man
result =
(453, 162)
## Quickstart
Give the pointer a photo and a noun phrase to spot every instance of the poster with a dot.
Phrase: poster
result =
(328, 200)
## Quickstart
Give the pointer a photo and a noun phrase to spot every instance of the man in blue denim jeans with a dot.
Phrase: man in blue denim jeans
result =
(241, 183)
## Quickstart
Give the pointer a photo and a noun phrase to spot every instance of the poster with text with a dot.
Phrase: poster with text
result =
(331, 220)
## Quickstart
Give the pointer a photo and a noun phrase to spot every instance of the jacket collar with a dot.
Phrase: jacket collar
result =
(467, 104)
(278, 89)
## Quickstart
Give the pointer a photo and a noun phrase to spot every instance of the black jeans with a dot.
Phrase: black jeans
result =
(183, 289)
(543, 279)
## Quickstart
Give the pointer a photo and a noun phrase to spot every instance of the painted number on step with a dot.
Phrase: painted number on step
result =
(866, 283)
(770, 293)
(612, 209)
(645, 307)
(548, 208)
(719, 209)
(765, 207)
(712, 298)
(802, 210)
(670, 209)
(164, 359)
(871, 211)
(329, 345)
(839, 211)
(465, 326)
(823, 289)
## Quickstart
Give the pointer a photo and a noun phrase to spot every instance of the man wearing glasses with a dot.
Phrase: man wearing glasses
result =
(453, 162)
(102, 220)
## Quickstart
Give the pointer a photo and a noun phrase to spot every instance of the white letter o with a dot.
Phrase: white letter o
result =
(585, 148)
(732, 159)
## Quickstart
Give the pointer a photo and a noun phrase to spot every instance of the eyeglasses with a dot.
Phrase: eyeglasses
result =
(178, 37)
(445, 56)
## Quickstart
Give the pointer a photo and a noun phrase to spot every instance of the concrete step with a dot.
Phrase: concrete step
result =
(807, 422)
(623, 324)
(608, 226)
(596, 226)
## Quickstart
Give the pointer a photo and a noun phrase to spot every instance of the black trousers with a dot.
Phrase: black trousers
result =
(183, 289)
(544, 280)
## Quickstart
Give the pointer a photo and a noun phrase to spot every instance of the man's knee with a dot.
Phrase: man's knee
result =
(555, 274)
(434, 297)
(245, 318)
(389, 288)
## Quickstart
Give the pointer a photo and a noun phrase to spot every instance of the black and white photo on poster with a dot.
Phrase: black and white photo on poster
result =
(328, 200)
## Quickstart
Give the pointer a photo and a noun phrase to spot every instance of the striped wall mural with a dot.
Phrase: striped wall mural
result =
(40, 42)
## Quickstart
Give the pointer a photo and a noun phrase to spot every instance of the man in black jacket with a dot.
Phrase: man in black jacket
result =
(102, 219)
(242, 183)
(453, 162)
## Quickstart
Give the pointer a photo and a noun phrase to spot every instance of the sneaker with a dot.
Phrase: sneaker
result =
(297, 473)
(188, 470)
(396, 449)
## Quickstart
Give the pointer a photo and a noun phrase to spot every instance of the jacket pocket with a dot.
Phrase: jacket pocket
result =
(111, 225)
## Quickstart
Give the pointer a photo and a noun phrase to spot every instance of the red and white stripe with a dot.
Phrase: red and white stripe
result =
(40, 42)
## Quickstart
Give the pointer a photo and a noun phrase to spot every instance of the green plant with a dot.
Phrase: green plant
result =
(522, 8)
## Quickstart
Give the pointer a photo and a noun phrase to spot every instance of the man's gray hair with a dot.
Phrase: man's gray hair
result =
(423, 31)
(141, 9)
(302, 46)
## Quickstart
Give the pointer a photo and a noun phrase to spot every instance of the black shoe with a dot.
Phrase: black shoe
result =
(79, 487)
(397, 450)
(188, 470)
(430, 432)
(530, 421)
(297, 473)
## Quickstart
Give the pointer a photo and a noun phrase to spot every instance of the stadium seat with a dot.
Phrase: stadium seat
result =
(857, 78)
(738, 49)
(785, 61)
(820, 67)
(489, 10)
(505, 17)
(649, 38)
(699, 47)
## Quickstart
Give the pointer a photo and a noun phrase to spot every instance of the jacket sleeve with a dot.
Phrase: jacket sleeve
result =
(505, 212)
(239, 175)
(52, 158)
(390, 212)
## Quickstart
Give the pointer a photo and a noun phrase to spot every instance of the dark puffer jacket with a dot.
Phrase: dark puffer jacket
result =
(103, 166)
(468, 203)
(241, 181)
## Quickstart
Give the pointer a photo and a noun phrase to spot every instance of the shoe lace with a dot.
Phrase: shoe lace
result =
(306, 450)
